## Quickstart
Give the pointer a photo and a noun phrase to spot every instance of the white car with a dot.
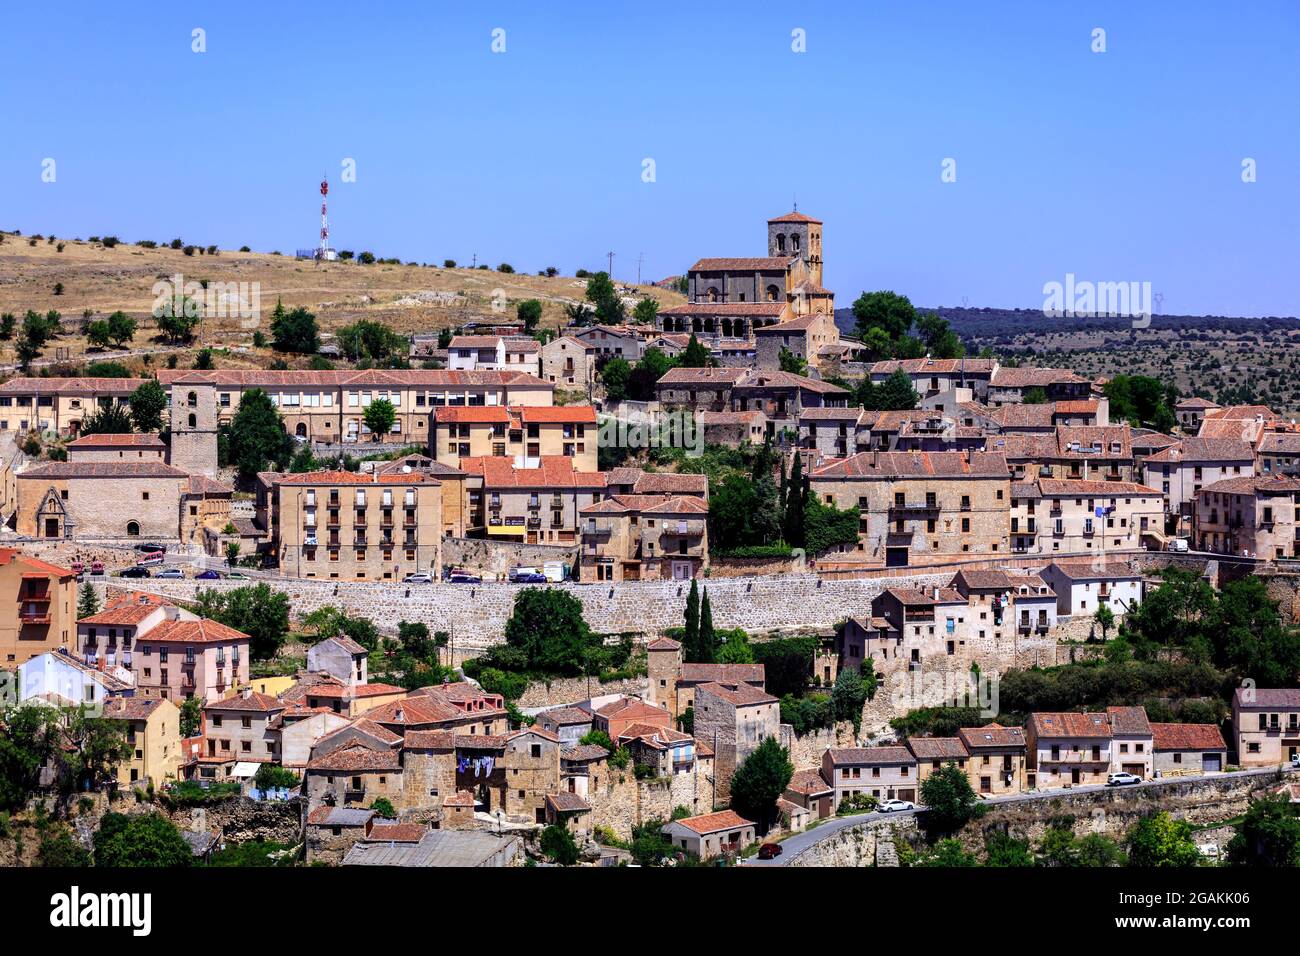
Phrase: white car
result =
(1122, 779)
(895, 806)
(420, 578)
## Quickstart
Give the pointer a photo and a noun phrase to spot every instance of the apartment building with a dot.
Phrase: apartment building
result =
(1183, 469)
(921, 507)
(153, 734)
(886, 773)
(537, 505)
(644, 538)
(32, 403)
(168, 651)
(998, 756)
(328, 406)
(358, 527)
(1278, 452)
(42, 599)
(1075, 516)
(1266, 725)
(1259, 517)
(1068, 749)
(522, 434)
(240, 729)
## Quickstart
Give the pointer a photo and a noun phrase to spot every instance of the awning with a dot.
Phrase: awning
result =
(245, 768)
(511, 530)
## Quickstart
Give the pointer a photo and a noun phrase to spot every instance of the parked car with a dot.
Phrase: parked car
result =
(418, 578)
(463, 577)
(236, 576)
(77, 566)
(152, 559)
(139, 571)
(1209, 850)
(1178, 544)
(769, 851)
(1295, 761)
(895, 806)
(208, 575)
(1122, 779)
(96, 567)
(150, 548)
(529, 577)
(170, 573)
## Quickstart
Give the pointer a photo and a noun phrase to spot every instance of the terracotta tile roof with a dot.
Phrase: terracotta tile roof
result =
(1092, 569)
(771, 378)
(795, 216)
(10, 555)
(24, 385)
(337, 477)
(131, 708)
(1187, 737)
(355, 692)
(565, 716)
(1267, 698)
(339, 816)
(991, 737)
(471, 414)
(355, 758)
(809, 782)
(1074, 487)
(1249, 485)
(1070, 724)
(554, 471)
(584, 753)
(396, 833)
(701, 376)
(1129, 721)
(937, 748)
(1241, 412)
(413, 711)
(559, 414)
(1194, 403)
(1033, 377)
(474, 342)
(208, 487)
(870, 756)
(653, 735)
(906, 464)
(345, 378)
(565, 802)
(713, 822)
(726, 673)
(252, 702)
(202, 631)
(757, 264)
(934, 366)
(663, 644)
(131, 440)
(1198, 449)
(102, 469)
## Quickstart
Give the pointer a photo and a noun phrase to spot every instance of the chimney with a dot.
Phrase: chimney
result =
(246, 693)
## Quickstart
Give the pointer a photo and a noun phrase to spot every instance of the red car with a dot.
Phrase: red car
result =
(769, 851)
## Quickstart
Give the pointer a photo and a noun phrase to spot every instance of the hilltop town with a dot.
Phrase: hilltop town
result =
(485, 569)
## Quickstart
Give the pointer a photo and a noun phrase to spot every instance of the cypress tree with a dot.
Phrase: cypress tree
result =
(691, 639)
(708, 641)
(794, 506)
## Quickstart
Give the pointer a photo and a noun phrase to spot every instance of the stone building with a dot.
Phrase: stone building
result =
(355, 526)
(733, 718)
(238, 730)
(100, 500)
(1266, 725)
(1067, 749)
(1259, 517)
(935, 753)
(329, 406)
(523, 434)
(997, 758)
(921, 507)
(644, 538)
(193, 421)
(569, 363)
(724, 832)
(1075, 516)
(1181, 470)
(154, 737)
(886, 773)
(932, 377)
(1188, 749)
(43, 602)
(111, 447)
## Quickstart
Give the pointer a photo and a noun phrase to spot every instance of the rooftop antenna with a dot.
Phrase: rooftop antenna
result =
(323, 252)
(611, 264)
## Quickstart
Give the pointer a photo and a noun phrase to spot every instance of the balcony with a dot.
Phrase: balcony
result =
(912, 506)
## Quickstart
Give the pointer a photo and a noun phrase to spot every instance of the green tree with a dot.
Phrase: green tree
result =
(121, 328)
(529, 312)
(1269, 835)
(735, 648)
(140, 840)
(949, 799)
(58, 848)
(794, 506)
(87, 601)
(602, 294)
(1004, 850)
(369, 341)
(691, 633)
(32, 737)
(256, 610)
(883, 313)
(558, 845)
(896, 393)
(695, 355)
(651, 367)
(760, 781)
(947, 853)
(791, 362)
(97, 333)
(547, 626)
(1105, 619)
(384, 807)
(707, 644)
(616, 374)
(191, 716)
(379, 418)
(7, 321)
(1161, 841)
(148, 402)
(850, 694)
(112, 419)
(645, 312)
(1096, 850)
(294, 330)
(257, 436)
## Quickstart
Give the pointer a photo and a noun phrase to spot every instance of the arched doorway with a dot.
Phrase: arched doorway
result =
(300, 430)
(133, 529)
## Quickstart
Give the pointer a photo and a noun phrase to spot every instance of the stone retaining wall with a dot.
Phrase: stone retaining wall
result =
(492, 560)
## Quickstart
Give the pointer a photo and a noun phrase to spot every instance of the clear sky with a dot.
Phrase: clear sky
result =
(1117, 166)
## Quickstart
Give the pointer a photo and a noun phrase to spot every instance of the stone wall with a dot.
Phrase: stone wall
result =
(570, 690)
(806, 751)
(478, 613)
(855, 845)
(241, 819)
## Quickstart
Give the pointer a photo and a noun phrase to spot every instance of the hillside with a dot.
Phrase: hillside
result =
(409, 298)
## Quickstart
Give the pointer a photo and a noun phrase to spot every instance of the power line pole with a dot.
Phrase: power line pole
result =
(611, 264)
(639, 259)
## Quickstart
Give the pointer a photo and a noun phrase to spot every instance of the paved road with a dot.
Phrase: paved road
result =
(796, 844)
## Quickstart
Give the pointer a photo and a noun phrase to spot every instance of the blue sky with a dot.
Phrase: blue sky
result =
(1115, 166)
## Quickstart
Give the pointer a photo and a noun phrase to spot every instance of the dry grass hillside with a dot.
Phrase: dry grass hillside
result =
(409, 298)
